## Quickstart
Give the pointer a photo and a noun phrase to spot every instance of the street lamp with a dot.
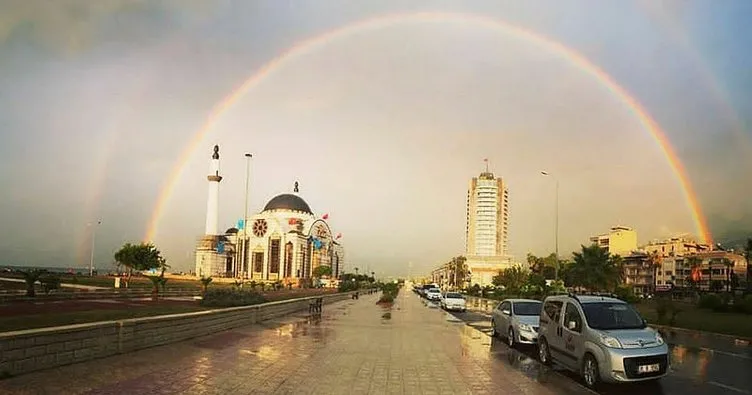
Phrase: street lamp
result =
(93, 239)
(243, 257)
(556, 223)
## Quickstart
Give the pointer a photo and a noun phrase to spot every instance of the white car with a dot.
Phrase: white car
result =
(453, 301)
(517, 320)
(433, 294)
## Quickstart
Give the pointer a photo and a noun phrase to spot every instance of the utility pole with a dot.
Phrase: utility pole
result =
(556, 223)
(93, 239)
(243, 257)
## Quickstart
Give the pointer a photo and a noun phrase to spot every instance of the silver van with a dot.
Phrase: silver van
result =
(601, 338)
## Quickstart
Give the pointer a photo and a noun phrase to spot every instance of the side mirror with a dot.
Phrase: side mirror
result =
(571, 325)
(506, 312)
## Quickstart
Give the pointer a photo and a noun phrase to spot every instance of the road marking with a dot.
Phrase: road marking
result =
(728, 387)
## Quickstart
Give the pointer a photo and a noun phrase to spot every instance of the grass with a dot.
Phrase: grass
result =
(109, 282)
(692, 317)
(32, 321)
(79, 317)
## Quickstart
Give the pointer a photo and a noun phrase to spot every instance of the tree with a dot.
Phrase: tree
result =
(748, 256)
(728, 263)
(545, 266)
(139, 258)
(322, 270)
(512, 279)
(695, 264)
(458, 272)
(595, 269)
(654, 261)
(205, 281)
(31, 277)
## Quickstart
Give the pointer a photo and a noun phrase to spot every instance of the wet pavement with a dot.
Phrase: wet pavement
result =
(700, 364)
(352, 348)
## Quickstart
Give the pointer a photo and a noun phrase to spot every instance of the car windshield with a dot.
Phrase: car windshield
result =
(607, 316)
(433, 290)
(527, 308)
(453, 296)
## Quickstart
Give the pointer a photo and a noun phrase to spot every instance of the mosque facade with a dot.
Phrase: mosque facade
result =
(283, 242)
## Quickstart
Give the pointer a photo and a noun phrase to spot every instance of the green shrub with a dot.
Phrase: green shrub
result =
(626, 293)
(347, 286)
(746, 304)
(667, 310)
(386, 298)
(50, 282)
(711, 302)
(231, 297)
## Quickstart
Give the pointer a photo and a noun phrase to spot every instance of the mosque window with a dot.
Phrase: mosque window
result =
(260, 227)
(274, 256)
(258, 262)
(288, 259)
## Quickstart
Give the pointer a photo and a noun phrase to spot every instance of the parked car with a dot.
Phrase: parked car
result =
(453, 301)
(433, 294)
(601, 338)
(517, 319)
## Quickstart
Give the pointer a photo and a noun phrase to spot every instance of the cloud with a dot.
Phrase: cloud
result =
(75, 25)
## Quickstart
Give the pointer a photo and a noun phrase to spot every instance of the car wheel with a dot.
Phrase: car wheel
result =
(510, 337)
(543, 354)
(590, 372)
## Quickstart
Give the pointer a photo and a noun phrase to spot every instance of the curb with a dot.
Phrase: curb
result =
(703, 333)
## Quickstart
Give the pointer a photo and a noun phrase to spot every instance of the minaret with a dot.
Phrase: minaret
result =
(212, 206)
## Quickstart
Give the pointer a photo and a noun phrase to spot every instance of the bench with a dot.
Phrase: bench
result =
(315, 305)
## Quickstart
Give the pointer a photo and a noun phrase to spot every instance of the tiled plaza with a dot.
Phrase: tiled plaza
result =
(350, 349)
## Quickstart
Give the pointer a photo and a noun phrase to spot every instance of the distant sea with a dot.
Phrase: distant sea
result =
(82, 270)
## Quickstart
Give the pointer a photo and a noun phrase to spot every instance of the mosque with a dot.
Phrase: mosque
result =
(284, 242)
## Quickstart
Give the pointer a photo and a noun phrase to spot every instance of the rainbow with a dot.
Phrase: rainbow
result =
(316, 42)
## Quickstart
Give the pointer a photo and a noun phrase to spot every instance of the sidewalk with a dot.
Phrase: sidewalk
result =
(350, 349)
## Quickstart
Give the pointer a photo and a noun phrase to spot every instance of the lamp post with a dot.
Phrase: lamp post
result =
(556, 224)
(93, 239)
(243, 256)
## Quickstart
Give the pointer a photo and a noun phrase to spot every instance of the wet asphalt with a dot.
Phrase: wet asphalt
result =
(700, 364)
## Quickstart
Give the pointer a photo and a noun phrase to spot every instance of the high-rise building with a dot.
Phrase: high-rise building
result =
(487, 229)
(487, 216)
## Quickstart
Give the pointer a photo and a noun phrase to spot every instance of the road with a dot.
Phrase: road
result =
(698, 365)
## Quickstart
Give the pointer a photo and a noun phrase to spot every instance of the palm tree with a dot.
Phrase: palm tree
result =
(31, 277)
(654, 261)
(728, 263)
(205, 281)
(747, 257)
(695, 263)
(594, 269)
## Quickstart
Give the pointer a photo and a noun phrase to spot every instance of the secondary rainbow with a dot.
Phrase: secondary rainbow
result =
(313, 43)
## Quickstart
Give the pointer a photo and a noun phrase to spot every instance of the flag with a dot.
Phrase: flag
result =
(326, 216)
(241, 224)
(339, 235)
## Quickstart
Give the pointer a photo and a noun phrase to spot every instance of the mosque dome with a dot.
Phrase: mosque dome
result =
(288, 202)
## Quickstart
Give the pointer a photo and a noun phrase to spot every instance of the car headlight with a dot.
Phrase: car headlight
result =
(659, 339)
(610, 341)
(526, 327)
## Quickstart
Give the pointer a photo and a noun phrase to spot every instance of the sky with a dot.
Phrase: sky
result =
(383, 125)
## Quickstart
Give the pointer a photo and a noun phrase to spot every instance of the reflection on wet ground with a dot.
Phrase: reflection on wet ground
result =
(700, 364)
